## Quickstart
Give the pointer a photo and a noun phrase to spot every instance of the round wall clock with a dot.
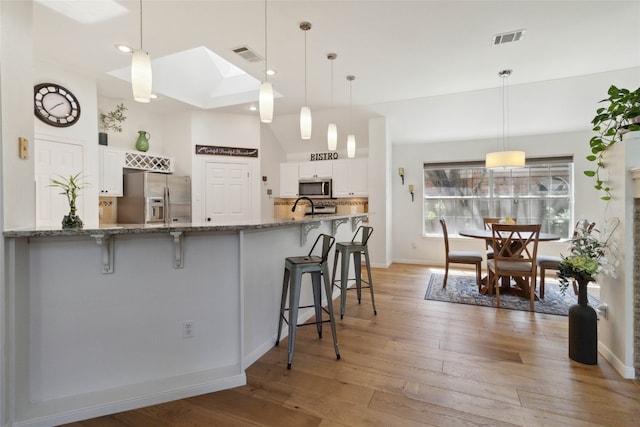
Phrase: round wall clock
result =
(55, 105)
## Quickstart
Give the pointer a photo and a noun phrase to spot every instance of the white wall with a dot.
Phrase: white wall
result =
(16, 62)
(616, 331)
(138, 118)
(380, 212)
(271, 155)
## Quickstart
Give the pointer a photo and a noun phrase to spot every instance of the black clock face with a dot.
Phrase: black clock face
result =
(55, 105)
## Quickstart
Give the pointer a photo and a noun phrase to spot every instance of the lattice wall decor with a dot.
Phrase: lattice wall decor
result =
(148, 162)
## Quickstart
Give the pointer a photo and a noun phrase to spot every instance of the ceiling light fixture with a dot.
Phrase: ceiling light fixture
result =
(123, 48)
(504, 159)
(265, 99)
(351, 139)
(332, 129)
(141, 71)
(305, 111)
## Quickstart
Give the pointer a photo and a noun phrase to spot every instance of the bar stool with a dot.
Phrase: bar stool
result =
(357, 248)
(294, 268)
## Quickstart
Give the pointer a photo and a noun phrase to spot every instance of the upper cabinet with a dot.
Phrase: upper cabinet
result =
(312, 170)
(111, 163)
(350, 178)
(288, 180)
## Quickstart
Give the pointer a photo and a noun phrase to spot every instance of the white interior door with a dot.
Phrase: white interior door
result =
(226, 192)
(54, 159)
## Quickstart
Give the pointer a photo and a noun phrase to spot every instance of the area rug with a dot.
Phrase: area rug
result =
(463, 290)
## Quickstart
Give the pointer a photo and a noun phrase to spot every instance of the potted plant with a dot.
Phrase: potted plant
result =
(70, 188)
(621, 116)
(585, 260)
(111, 121)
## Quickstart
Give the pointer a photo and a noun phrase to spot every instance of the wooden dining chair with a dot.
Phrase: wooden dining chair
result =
(460, 257)
(515, 252)
(486, 222)
(552, 262)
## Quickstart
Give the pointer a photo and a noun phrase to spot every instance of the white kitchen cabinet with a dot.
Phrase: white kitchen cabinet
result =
(350, 178)
(288, 180)
(111, 163)
(312, 170)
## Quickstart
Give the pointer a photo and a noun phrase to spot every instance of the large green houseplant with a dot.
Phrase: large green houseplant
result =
(620, 116)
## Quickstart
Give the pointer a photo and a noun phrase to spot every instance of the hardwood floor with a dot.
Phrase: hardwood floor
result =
(417, 362)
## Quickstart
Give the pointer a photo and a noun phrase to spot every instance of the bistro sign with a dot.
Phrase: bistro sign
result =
(226, 151)
(324, 156)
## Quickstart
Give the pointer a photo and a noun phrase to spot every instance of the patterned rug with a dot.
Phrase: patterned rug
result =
(463, 290)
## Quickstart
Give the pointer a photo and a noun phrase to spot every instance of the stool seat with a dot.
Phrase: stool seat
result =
(357, 249)
(294, 268)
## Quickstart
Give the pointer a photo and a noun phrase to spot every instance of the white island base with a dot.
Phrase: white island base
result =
(82, 343)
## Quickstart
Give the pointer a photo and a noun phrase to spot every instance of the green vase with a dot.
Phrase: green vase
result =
(142, 143)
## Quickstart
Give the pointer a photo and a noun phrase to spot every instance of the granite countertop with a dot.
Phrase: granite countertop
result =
(113, 229)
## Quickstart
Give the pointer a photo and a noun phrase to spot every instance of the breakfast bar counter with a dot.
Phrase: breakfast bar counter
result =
(106, 319)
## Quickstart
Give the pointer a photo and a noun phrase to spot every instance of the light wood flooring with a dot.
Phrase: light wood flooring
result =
(417, 362)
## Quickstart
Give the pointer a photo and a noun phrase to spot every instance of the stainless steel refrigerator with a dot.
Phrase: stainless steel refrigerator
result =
(155, 198)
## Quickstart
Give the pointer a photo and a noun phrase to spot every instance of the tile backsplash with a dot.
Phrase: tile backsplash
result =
(282, 207)
(107, 210)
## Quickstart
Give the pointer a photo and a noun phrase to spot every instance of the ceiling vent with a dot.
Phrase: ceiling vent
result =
(511, 36)
(248, 54)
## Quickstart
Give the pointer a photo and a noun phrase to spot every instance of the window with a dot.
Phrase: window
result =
(464, 193)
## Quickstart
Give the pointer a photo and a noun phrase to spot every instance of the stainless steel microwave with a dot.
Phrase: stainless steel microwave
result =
(315, 188)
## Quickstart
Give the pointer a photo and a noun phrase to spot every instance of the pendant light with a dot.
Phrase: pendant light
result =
(305, 111)
(332, 129)
(504, 159)
(351, 139)
(265, 99)
(141, 71)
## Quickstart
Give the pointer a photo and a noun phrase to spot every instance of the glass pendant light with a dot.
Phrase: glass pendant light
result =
(504, 159)
(141, 77)
(332, 129)
(351, 139)
(265, 99)
(305, 111)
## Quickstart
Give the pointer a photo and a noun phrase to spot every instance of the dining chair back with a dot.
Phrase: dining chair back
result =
(486, 222)
(515, 249)
(460, 257)
(552, 262)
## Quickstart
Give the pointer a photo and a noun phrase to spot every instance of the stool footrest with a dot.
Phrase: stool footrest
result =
(307, 323)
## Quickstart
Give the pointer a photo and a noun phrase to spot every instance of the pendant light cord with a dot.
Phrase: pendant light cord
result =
(266, 62)
(305, 69)
(141, 25)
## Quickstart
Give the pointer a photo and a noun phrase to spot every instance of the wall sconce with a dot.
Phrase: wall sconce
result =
(411, 191)
(401, 172)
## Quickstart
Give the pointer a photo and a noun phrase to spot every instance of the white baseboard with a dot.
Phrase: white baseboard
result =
(627, 372)
(67, 410)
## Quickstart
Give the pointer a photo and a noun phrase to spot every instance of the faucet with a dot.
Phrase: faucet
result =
(293, 209)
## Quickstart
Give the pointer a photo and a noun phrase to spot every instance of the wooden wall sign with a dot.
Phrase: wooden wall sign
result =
(226, 151)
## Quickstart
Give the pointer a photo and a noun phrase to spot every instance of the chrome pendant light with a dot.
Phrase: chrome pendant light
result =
(265, 99)
(504, 159)
(305, 111)
(351, 139)
(141, 77)
(332, 129)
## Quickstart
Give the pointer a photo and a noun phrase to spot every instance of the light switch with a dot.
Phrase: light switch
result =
(23, 148)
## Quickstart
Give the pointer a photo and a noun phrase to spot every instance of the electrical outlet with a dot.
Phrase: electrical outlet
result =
(188, 330)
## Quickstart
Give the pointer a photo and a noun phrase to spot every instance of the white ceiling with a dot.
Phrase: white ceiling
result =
(428, 66)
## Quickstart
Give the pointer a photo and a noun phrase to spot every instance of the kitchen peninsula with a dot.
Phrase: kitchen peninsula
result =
(118, 317)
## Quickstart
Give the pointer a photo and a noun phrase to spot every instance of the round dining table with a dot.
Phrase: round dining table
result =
(487, 235)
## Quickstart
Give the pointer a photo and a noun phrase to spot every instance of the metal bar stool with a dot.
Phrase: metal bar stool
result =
(357, 248)
(294, 268)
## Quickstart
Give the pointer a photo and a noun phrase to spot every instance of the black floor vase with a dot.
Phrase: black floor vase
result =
(583, 330)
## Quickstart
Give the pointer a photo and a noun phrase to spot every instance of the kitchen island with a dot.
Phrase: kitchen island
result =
(113, 318)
